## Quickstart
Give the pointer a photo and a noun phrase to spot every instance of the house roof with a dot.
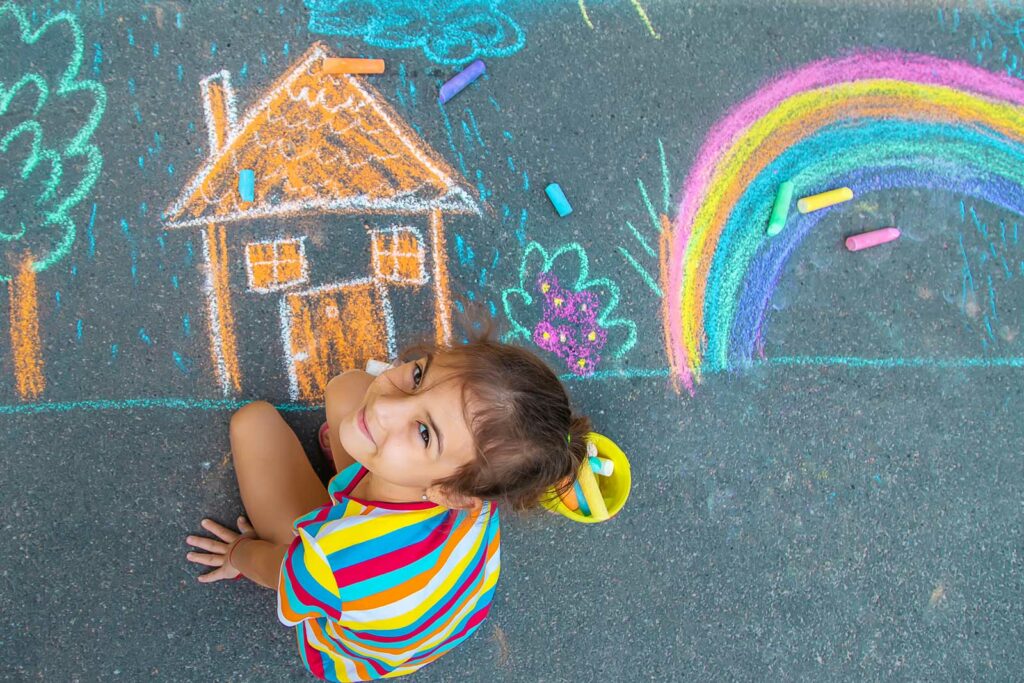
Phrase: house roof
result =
(317, 143)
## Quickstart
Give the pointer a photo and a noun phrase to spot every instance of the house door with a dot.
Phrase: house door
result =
(327, 331)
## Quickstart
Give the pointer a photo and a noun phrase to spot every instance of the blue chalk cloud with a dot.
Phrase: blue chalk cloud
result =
(450, 32)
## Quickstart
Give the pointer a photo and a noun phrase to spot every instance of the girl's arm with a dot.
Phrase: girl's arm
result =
(258, 560)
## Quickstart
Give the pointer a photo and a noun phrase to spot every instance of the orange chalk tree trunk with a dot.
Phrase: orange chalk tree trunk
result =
(25, 348)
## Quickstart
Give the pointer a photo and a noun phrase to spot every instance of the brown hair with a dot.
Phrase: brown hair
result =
(526, 436)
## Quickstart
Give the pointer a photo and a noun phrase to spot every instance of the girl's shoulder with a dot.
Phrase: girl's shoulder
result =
(345, 481)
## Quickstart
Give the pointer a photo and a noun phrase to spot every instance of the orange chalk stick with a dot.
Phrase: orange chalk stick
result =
(348, 65)
(569, 499)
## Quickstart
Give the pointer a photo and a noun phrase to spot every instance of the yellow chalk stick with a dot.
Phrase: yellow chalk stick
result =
(592, 493)
(824, 200)
(348, 65)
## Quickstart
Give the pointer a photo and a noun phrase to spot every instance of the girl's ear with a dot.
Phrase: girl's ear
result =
(453, 501)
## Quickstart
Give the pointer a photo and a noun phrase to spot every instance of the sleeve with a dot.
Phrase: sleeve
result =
(306, 588)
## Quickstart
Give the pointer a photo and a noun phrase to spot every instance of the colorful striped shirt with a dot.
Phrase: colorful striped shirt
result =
(378, 589)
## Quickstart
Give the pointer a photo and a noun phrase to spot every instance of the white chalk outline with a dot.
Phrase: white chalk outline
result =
(275, 244)
(230, 113)
(440, 302)
(393, 233)
(353, 205)
(213, 310)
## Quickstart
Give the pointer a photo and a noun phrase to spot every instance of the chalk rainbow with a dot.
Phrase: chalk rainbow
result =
(870, 121)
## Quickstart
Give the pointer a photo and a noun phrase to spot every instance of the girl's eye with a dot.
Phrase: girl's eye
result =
(425, 434)
(417, 375)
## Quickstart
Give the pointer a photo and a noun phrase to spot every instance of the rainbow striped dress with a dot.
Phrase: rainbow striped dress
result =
(379, 589)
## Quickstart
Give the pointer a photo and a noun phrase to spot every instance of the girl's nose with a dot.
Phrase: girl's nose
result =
(390, 409)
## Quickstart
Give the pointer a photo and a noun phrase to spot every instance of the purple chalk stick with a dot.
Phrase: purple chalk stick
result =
(460, 80)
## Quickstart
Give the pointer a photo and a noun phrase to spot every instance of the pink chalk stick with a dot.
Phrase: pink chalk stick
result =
(866, 240)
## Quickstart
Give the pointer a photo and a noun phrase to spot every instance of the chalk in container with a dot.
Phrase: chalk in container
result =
(866, 240)
(570, 500)
(592, 493)
(247, 184)
(602, 466)
(460, 80)
(780, 210)
(824, 200)
(581, 500)
(351, 65)
(557, 198)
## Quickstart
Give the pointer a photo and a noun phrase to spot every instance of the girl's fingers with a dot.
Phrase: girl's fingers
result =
(207, 544)
(215, 575)
(244, 526)
(204, 558)
(219, 530)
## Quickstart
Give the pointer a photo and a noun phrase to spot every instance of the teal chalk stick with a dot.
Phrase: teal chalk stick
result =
(780, 210)
(247, 184)
(557, 198)
(581, 499)
(602, 466)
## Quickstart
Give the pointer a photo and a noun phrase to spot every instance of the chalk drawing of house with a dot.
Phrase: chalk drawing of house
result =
(329, 155)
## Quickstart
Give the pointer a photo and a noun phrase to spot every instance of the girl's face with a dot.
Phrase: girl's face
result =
(410, 430)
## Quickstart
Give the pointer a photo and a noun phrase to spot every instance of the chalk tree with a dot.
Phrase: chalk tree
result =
(48, 166)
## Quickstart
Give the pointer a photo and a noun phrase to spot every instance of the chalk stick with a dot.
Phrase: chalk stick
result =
(866, 240)
(456, 83)
(581, 500)
(824, 200)
(602, 466)
(780, 210)
(349, 65)
(570, 500)
(592, 494)
(557, 198)
(375, 367)
(247, 184)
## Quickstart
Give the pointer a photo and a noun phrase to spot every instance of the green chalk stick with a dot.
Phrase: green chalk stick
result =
(780, 211)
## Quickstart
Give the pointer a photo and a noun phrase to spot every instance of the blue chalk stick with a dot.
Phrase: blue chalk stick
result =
(460, 80)
(247, 184)
(581, 499)
(557, 198)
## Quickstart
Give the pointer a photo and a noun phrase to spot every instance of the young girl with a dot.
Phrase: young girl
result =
(395, 562)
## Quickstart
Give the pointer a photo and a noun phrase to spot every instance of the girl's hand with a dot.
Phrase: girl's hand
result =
(218, 551)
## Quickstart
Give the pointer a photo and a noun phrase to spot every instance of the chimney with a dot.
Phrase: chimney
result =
(219, 109)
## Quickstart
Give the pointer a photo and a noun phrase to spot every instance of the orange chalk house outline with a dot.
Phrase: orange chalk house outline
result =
(319, 144)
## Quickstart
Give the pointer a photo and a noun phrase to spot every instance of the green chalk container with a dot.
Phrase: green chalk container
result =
(780, 211)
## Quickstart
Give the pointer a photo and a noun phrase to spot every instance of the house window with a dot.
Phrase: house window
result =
(275, 265)
(398, 255)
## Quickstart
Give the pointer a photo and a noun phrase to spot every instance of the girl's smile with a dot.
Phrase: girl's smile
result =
(364, 425)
